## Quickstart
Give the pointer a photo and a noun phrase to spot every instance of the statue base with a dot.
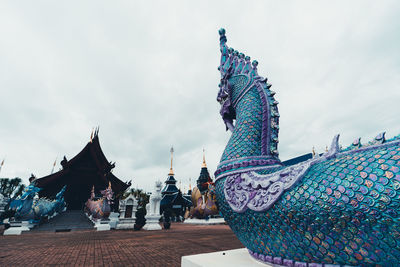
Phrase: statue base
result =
(114, 219)
(152, 222)
(204, 221)
(17, 227)
(103, 225)
(227, 258)
(126, 223)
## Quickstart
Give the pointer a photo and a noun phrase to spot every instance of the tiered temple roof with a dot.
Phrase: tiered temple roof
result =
(170, 186)
(88, 168)
(204, 178)
(172, 196)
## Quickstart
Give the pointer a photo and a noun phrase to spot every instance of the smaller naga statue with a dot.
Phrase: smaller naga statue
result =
(203, 195)
(101, 208)
(30, 208)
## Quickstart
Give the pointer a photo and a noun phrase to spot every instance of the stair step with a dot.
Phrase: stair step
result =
(66, 221)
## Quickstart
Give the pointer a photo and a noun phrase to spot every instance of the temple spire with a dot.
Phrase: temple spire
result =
(204, 165)
(171, 171)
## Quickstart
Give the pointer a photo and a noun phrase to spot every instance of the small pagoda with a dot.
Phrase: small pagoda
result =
(89, 168)
(203, 195)
(204, 178)
(172, 198)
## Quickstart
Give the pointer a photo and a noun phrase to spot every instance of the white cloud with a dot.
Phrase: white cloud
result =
(146, 72)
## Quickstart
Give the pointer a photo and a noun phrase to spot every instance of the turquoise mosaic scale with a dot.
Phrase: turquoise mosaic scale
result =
(341, 208)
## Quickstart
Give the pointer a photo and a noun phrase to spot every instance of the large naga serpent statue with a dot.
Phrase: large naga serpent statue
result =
(29, 209)
(341, 208)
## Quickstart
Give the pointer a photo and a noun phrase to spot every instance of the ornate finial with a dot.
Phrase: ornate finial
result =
(96, 131)
(91, 135)
(326, 148)
(190, 184)
(1, 164)
(171, 171)
(313, 152)
(204, 165)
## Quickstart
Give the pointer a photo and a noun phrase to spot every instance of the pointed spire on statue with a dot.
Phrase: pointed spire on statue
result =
(171, 171)
(204, 165)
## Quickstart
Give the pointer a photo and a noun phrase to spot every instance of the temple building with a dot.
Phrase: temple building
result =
(172, 198)
(88, 168)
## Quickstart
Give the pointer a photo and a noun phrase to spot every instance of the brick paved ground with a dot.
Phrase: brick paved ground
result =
(116, 247)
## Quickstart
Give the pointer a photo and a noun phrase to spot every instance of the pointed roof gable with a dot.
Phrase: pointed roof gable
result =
(89, 167)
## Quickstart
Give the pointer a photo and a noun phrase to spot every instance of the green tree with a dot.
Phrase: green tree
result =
(11, 188)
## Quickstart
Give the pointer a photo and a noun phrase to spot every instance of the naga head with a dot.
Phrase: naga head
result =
(238, 77)
(30, 192)
(108, 193)
(158, 185)
(233, 64)
(60, 195)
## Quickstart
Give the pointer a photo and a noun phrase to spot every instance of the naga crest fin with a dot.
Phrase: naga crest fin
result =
(334, 149)
(232, 61)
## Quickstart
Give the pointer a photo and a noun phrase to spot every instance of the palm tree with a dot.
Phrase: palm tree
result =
(11, 188)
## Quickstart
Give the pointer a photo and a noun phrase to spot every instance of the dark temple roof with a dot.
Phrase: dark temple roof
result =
(298, 159)
(170, 186)
(88, 168)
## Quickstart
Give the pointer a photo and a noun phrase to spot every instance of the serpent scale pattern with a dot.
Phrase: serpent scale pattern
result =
(346, 211)
(344, 208)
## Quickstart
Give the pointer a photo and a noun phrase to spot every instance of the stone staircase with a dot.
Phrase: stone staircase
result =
(70, 220)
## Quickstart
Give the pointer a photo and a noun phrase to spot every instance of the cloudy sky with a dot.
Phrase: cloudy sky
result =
(146, 73)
